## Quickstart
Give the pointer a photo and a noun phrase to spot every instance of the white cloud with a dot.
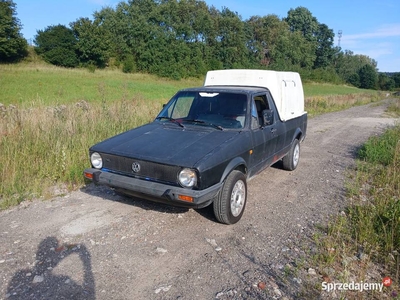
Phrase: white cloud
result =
(380, 49)
(381, 44)
(387, 30)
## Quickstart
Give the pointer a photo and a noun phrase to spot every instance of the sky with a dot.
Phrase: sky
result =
(368, 27)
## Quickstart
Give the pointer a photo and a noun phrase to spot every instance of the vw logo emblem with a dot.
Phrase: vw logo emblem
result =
(135, 167)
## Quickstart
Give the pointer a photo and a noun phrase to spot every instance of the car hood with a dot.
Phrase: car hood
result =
(166, 143)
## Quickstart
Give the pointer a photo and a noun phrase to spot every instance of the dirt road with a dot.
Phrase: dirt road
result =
(93, 244)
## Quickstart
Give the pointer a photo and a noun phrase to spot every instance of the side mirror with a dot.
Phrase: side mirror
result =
(164, 105)
(268, 117)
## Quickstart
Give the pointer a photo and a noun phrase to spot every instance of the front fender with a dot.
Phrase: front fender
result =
(234, 164)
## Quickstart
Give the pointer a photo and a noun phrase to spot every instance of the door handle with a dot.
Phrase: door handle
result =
(273, 130)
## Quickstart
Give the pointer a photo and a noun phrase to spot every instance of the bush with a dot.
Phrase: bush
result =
(61, 57)
(56, 44)
(129, 65)
(368, 77)
(91, 68)
(381, 150)
(354, 79)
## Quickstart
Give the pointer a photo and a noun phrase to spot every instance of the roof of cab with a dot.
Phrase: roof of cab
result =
(228, 89)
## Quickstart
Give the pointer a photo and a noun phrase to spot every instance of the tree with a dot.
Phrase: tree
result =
(263, 34)
(354, 79)
(293, 52)
(13, 47)
(325, 50)
(116, 30)
(230, 47)
(138, 32)
(385, 82)
(301, 19)
(368, 77)
(92, 42)
(348, 66)
(396, 78)
(57, 45)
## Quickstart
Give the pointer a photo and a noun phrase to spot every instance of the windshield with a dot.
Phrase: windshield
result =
(219, 110)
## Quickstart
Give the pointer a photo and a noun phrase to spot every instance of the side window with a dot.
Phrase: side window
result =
(261, 104)
(254, 116)
(269, 100)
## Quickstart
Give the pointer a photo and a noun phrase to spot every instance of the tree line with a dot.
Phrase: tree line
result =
(186, 38)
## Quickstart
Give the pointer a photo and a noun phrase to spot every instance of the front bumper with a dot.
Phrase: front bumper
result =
(154, 191)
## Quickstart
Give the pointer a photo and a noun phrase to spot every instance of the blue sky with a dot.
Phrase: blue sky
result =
(368, 27)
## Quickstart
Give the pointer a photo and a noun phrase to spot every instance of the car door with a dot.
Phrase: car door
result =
(258, 142)
(269, 130)
(278, 128)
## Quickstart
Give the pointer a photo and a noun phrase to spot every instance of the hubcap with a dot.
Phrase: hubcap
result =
(238, 198)
(296, 155)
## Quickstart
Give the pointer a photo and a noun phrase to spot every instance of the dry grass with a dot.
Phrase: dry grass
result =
(394, 108)
(317, 105)
(45, 148)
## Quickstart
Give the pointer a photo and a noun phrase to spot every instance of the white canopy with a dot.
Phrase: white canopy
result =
(286, 87)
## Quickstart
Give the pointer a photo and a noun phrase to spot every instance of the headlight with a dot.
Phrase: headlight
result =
(187, 178)
(96, 160)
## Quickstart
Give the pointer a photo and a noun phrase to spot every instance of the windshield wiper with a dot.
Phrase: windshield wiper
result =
(216, 126)
(205, 123)
(172, 120)
(194, 121)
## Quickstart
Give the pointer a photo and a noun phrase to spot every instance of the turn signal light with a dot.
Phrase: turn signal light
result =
(88, 175)
(185, 198)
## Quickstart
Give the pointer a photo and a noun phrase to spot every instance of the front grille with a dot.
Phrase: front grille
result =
(148, 170)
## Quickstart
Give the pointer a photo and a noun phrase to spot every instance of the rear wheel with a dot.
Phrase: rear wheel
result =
(291, 160)
(231, 201)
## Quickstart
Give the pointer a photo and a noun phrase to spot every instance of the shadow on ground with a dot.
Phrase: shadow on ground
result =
(111, 195)
(39, 282)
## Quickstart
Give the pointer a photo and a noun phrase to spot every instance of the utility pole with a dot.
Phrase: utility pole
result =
(340, 33)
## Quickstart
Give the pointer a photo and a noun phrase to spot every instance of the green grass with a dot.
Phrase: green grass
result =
(394, 108)
(326, 89)
(24, 84)
(379, 173)
(370, 228)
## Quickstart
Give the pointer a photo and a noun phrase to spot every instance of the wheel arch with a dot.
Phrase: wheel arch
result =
(298, 135)
(238, 163)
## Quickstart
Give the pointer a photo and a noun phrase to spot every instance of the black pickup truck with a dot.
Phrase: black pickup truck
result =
(201, 149)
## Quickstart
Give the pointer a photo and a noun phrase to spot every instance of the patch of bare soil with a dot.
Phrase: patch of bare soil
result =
(95, 244)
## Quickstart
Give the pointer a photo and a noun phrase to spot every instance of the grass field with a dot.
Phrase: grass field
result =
(370, 228)
(324, 89)
(24, 84)
(50, 116)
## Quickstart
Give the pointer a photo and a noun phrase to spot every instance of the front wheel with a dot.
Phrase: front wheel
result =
(231, 201)
(291, 160)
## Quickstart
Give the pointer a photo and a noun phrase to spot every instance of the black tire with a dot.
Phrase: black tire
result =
(291, 160)
(230, 203)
